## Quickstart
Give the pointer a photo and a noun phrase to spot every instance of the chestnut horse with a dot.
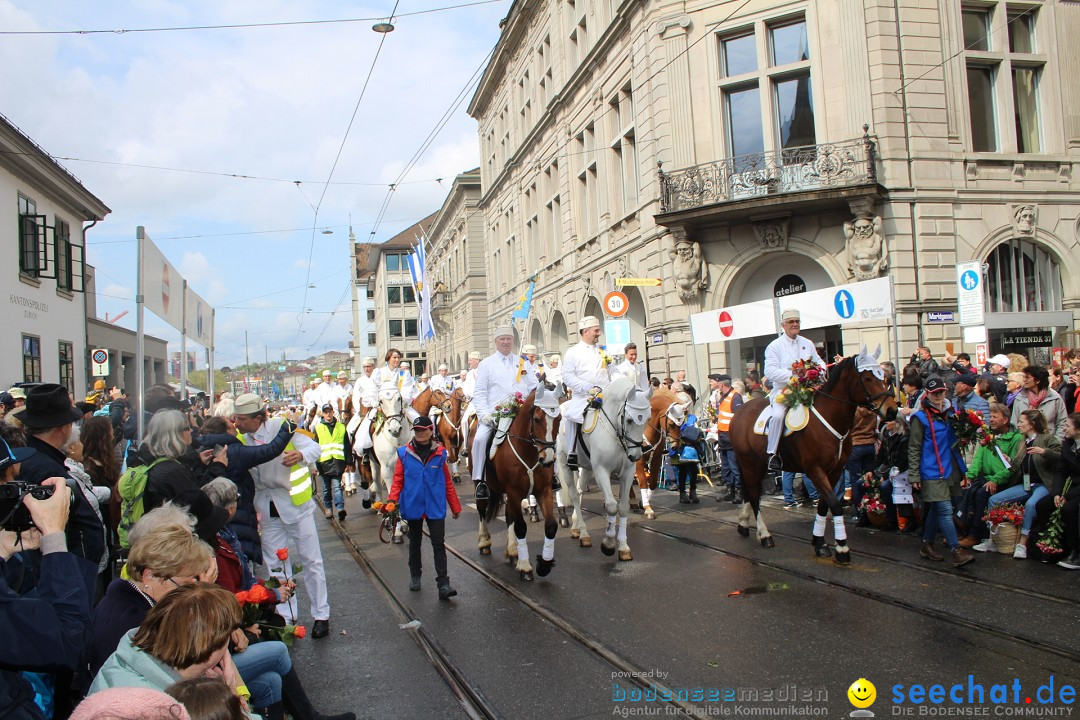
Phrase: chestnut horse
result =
(820, 449)
(661, 432)
(450, 422)
(523, 464)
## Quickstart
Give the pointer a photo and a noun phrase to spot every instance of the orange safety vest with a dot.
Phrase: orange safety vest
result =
(724, 413)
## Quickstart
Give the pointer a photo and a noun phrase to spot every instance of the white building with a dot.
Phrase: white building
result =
(43, 320)
(364, 340)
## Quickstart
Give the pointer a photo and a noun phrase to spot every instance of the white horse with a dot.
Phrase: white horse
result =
(614, 447)
(395, 432)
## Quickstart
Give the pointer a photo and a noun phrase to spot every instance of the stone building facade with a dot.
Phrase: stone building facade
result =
(740, 151)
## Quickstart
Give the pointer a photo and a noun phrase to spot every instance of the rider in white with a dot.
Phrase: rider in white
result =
(365, 392)
(391, 375)
(497, 378)
(468, 386)
(324, 393)
(341, 392)
(554, 372)
(309, 400)
(586, 370)
(779, 355)
(631, 367)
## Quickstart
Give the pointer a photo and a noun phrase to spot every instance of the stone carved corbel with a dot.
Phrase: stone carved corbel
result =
(689, 268)
(772, 233)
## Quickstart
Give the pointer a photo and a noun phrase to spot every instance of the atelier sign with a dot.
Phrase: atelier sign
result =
(789, 285)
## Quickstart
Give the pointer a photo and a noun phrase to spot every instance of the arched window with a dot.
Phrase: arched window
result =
(1021, 276)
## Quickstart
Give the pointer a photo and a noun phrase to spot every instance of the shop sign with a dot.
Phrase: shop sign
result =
(789, 285)
(941, 316)
(1028, 338)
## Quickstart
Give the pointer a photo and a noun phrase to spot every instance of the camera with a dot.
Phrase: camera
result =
(14, 515)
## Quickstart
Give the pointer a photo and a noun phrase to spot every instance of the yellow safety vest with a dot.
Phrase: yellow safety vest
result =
(333, 445)
(299, 477)
(724, 413)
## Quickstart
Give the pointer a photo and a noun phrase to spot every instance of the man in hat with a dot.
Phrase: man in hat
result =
(441, 380)
(468, 387)
(309, 400)
(999, 376)
(965, 397)
(789, 348)
(49, 419)
(342, 391)
(498, 377)
(587, 371)
(365, 392)
(283, 499)
(324, 393)
(724, 401)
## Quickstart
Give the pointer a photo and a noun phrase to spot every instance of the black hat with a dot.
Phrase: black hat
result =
(209, 517)
(934, 384)
(327, 407)
(968, 379)
(7, 399)
(13, 455)
(720, 378)
(423, 422)
(48, 406)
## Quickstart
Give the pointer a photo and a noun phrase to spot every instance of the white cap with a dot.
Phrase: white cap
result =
(589, 321)
(474, 355)
(343, 375)
(1002, 360)
(528, 349)
(369, 361)
(504, 330)
(248, 404)
(443, 367)
(790, 314)
(554, 359)
(326, 372)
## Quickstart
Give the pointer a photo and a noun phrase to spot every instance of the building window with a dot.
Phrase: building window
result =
(767, 108)
(410, 328)
(394, 328)
(1022, 277)
(67, 366)
(63, 254)
(372, 340)
(624, 149)
(371, 314)
(588, 183)
(1004, 68)
(408, 294)
(31, 351)
(31, 237)
(393, 262)
(393, 294)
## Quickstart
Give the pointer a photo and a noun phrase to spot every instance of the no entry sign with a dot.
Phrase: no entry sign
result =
(734, 322)
(727, 325)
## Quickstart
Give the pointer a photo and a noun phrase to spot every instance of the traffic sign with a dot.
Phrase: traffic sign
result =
(734, 322)
(980, 354)
(842, 304)
(99, 362)
(616, 304)
(617, 332)
(727, 325)
(969, 292)
(637, 282)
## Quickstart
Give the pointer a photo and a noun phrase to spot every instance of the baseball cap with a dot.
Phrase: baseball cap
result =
(12, 455)
(934, 384)
(423, 422)
(328, 408)
(968, 379)
(1002, 360)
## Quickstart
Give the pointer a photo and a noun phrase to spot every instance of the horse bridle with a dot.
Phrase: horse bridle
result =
(627, 443)
(869, 403)
(539, 444)
(663, 435)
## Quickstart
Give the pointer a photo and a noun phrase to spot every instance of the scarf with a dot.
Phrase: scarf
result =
(1034, 399)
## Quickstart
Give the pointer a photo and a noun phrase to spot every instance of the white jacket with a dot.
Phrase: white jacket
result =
(496, 380)
(403, 379)
(781, 353)
(583, 369)
(272, 479)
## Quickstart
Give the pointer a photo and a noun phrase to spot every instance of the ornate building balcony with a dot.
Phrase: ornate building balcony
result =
(726, 189)
(441, 304)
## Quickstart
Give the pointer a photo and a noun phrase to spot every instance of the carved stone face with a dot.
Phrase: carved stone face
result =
(1025, 219)
(684, 251)
(864, 228)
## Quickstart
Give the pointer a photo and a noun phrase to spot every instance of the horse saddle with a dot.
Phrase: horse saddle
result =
(795, 419)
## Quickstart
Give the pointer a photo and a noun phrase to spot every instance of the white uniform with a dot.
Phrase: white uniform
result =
(295, 523)
(309, 399)
(554, 374)
(341, 394)
(636, 371)
(779, 355)
(325, 394)
(496, 380)
(441, 383)
(582, 369)
(383, 377)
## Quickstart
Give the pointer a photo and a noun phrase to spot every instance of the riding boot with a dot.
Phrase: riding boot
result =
(298, 704)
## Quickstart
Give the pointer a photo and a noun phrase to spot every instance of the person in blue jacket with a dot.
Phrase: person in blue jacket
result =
(422, 487)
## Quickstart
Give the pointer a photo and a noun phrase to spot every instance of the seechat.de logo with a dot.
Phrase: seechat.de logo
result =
(862, 694)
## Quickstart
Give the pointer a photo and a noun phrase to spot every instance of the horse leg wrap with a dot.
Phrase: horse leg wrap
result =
(646, 497)
(622, 531)
(548, 553)
(523, 549)
(532, 501)
(819, 525)
(839, 531)
(610, 531)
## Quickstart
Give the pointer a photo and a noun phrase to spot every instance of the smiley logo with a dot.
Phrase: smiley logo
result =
(862, 693)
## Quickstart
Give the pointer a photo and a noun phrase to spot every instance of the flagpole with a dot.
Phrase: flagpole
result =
(140, 338)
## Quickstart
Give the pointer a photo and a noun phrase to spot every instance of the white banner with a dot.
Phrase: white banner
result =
(735, 322)
(842, 304)
(162, 287)
(199, 320)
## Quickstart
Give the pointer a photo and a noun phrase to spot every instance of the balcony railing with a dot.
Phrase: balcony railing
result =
(798, 169)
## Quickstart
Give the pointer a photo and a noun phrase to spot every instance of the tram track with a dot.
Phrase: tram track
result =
(865, 593)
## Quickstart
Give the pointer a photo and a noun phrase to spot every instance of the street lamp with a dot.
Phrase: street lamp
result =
(383, 27)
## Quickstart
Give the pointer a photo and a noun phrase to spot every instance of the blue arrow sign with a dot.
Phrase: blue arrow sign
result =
(844, 304)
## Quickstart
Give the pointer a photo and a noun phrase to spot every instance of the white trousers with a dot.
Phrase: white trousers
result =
(479, 450)
(303, 538)
(776, 425)
(470, 412)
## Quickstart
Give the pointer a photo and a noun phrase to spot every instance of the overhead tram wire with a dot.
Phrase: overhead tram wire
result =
(241, 26)
(333, 168)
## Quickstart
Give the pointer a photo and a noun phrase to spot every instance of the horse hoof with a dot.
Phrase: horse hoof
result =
(768, 542)
(649, 514)
(575, 533)
(625, 555)
(744, 531)
(607, 549)
(586, 541)
(485, 551)
(822, 551)
(526, 575)
(842, 558)
(543, 567)
(564, 521)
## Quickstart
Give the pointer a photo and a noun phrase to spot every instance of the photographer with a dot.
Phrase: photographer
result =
(47, 630)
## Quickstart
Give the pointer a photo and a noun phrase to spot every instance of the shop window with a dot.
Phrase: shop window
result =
(1021, 276)
(31, 352)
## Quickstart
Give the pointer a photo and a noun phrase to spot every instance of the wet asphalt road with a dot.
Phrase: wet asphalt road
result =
(801, 628)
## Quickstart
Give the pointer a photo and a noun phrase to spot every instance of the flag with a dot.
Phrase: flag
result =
(422, 279)
(524, 305)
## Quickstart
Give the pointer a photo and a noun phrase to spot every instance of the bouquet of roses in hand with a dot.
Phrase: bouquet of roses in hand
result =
(1012, 513)
(508, 408)
(970, 428)
(387, 508)
(254, 602)
(873, 504)
(1051, 542)
(806, 377)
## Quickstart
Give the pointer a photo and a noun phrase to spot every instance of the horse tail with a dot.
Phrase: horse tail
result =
(491, 511)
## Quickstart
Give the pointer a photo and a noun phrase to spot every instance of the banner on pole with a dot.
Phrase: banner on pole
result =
(199, 319)
(842, 304)
(735, 322)
(161, 285)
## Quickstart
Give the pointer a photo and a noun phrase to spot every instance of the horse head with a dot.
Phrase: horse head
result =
(876, 394)
(392, 407)
(545, 421)
(635, 410)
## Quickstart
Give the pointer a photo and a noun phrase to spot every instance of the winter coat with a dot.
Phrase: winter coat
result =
(131, 667)
(933, 458)
(423, 489)
(122, 609)
(987, 464)
(45, 630)
(1052, 407)
(893, 451)
(973, 401)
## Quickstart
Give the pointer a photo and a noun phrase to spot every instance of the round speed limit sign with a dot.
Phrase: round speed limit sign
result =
(616, 304)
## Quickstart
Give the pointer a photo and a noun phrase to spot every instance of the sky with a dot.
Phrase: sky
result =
(272, 103)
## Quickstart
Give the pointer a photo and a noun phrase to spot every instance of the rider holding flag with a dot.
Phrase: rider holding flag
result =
(781, 353)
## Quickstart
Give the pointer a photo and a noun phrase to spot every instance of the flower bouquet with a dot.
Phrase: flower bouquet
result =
(872, 505)
(290, 571)
(970, 429)
(1005, 520)
(257, 606)
(806, 377)
(605, 359)
(1051, 542)
(508, 408)
(387, 509)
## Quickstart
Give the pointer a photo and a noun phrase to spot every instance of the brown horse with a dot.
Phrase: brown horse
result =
(820, 450)
(661, 432)
(427, 399)
(450, 422)
(523, 464)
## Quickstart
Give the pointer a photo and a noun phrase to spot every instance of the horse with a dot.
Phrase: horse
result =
(522, 464)
(391, 431)
(661, 432)
(426, 399)
(610, 452)
(820, 450)
(450, 423)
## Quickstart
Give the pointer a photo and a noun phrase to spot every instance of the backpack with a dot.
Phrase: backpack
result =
(132, 488)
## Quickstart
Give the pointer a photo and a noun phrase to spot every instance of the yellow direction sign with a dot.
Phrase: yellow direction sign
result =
(637, 282)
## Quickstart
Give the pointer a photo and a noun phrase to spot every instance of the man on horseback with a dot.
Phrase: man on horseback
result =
(497, 377)
(630, 367)
(468, 387)
(779, 356)
(586, 371)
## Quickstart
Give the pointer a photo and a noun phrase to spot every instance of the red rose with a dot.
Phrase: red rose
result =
(300, 632)
(243, 597)
(283, 554)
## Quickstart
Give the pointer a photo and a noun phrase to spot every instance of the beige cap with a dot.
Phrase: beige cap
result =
(589, 321)
(343, 374)
(247, 404)
(443, 367)
(18, 393)
(528, 349)
(325, 373)
(790, 314)
(474, 355)
(504, 330)
(368, 362)
(554, 359)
